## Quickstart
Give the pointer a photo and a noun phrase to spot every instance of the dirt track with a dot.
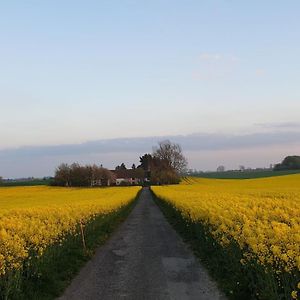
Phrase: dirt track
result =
(144, 259)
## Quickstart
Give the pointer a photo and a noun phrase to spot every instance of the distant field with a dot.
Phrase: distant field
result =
(26, 183)
(245, 174)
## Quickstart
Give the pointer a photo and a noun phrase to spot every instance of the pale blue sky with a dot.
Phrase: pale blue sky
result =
(77, 71)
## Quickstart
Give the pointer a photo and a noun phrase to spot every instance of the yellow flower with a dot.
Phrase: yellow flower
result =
(33, 218)
(260, 215)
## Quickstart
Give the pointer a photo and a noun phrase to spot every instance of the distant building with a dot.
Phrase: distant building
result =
(102, 182)
(128, 176)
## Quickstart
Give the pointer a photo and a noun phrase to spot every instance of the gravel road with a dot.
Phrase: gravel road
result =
(144, 259)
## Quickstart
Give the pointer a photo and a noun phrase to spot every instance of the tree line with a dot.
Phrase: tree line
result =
(289, 163)
(77, 175)
(164, 166)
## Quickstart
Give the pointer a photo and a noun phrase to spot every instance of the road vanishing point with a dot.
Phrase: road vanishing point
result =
(144, 259)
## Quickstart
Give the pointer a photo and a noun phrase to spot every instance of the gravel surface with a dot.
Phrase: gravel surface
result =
(144, 259)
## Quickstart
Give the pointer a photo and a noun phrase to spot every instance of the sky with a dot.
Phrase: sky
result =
(104, 81)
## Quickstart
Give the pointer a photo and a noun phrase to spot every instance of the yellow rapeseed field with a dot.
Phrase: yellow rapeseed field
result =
(261, 215)
(32, 218)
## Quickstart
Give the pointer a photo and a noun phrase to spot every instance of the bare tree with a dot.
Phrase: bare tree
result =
(77, 175)
(62, 175)
(162, 172)
(171, 153)
(105, 176)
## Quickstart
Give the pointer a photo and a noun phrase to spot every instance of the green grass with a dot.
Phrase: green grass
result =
(245, 174)
(26, 183)
(47, 277)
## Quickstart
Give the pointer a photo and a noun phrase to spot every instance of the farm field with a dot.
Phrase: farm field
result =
(246, 230)
(34, 182)
(245, 174)
(39, 224)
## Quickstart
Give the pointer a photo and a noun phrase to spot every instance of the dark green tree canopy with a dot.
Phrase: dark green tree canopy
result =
(145, 161)
(122, 166)
(289, 163)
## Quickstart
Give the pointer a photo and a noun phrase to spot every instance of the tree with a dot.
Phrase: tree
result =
(62, 175)
(133, 167)
(165, 165)
(221, 169)
(94, 173)
(121, 167)
(98, 175)
(1, 179)
(105, 176)
(172, 154)
(145, 161)
(145, 166)
(77, 175)
(162, 172)
(289, 163)
(139, 173)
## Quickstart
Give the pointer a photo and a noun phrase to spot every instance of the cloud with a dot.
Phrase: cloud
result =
(278, 125)
(42, 160)
(191, 142)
